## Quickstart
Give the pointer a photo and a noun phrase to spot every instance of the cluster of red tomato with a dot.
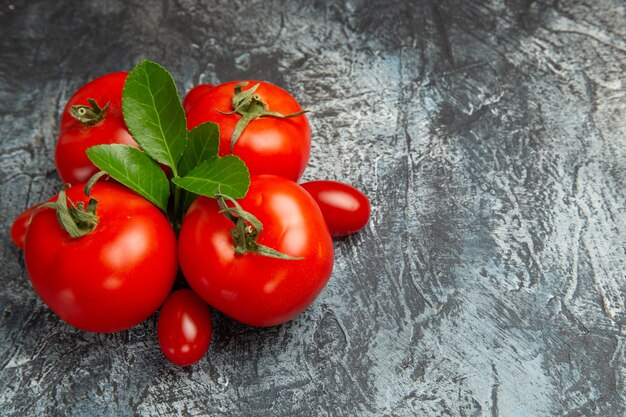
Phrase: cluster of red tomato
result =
(120, 264)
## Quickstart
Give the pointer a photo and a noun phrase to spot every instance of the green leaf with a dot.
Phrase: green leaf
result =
(204, 142)
(153, 113)
(228, 174)
(134, 169)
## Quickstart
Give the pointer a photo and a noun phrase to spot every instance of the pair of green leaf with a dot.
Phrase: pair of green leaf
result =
(155, 118)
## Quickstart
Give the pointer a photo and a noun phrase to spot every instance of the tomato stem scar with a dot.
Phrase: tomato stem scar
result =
(89, 115)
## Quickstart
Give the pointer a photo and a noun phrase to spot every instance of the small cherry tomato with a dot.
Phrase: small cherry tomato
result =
(184, 328)
(194, 95)
(87, 123)
(267, 144)
(20, 225)
(346, 210)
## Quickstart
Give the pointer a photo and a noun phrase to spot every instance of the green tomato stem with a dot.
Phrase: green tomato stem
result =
(76, 219)
(246, 231)
(178, 215)
(250, 106)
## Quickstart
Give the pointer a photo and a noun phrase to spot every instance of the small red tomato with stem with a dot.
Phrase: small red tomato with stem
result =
(267, 262)
(92, 116)
(20, 226)
(259, 122)
(346, 210)
(104, 259)
(184, 328)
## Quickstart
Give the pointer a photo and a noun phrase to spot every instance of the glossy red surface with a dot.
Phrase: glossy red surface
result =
(115, 276)
(184, 327)
(268, 145)
(74, 137)
(251, 288)
(346, 210)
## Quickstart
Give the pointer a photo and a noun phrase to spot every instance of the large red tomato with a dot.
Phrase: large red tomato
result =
(115, 276)
(268, 145)
(252, 288)
(96, 128)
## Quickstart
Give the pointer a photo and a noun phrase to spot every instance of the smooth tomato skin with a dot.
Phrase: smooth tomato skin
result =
(192, 96)
(268, 145)
(254, 289)
(70, 158)
(20, 225)
(114, 277)
(346, 210)
(184, 328)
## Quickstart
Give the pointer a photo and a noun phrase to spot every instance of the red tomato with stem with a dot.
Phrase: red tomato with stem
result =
(184, 328)
(255, 289)
(267, 144)
(346, 210)
(113, 277)
(20, 225)
(85, 124)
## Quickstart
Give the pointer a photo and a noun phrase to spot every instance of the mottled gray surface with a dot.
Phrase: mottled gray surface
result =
(490, 136)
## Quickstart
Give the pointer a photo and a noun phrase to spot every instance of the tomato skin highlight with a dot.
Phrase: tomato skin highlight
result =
(184, 328)
(346, 210)
(254, 289)
(70, 158)
(20, 225)
(268, 145)
(114, 277)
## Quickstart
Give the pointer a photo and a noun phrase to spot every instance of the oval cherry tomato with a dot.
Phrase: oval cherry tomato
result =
(346, 210)
(115, 276)
(184, 328)
(76, 136)
(268, 145)
(20, 225)
(255, 289)
(194, 94)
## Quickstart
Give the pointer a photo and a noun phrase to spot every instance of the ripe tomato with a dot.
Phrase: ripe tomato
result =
(115, 276)
(346, 210)
(194, 94)
(268, 145)
(76, 136)
(20, 225)
(255, 289)
(184, 328)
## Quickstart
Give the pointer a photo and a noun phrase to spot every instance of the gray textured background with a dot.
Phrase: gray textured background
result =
(490, 136)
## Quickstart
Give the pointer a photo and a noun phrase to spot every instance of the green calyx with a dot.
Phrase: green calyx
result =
(250, 106)
(76, 219)
(89, 115)
(246, 231)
